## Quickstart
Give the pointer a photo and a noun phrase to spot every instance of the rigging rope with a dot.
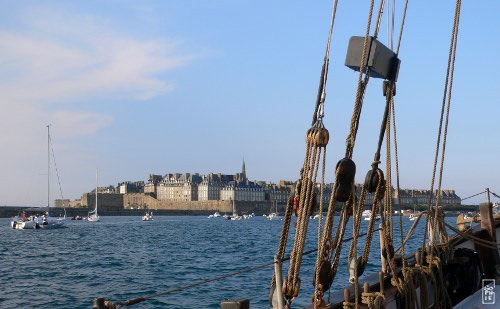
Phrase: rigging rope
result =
(57, 171)
(325, 255)
(305, 192)
(468, 197)
(446, 102)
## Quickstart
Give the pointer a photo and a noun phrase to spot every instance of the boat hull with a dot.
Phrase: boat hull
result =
(24, 225)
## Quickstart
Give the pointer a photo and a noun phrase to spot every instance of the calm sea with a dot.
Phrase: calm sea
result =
(122, 258)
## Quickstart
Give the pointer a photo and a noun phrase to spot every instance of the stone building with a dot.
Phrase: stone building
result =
(131, 187)
(179, 187)
(152, 184)
(411, 197)
(276, 193)
(210, 187)
(243, 191)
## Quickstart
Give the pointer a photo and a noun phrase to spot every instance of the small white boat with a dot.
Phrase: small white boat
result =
(377, 217)
(93, 216)
(22, 224)
(148, 216)
(235, 215)
(412, 217)
(49, 222)
(272, 216)
(215, 215)
(366, 213)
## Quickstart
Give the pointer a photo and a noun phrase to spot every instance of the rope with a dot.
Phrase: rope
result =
(468, 197)
(374, 300)
(477, 240)
(57, 171)
(360, 92)
(317, 138)
(320, 99)
(447, 93)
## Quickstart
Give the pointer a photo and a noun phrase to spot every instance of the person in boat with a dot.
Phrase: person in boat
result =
(24, 215)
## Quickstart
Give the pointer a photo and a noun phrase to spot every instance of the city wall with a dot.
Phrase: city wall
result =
(143, 201)
(135, 205)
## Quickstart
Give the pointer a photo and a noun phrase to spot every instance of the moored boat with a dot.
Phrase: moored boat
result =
(93, 216)
(148, 216)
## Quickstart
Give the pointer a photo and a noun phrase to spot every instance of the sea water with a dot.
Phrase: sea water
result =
(121, 258)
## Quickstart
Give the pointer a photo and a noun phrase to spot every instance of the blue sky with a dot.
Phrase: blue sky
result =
(142, 87)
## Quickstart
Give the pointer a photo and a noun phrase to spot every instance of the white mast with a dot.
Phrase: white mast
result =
(96, 181)
(48, 168)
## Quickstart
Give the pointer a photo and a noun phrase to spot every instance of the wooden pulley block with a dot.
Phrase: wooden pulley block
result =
(325, 275)
(321, 137)
(346, 170)
(355, 263)
(310, 136)
(391, 252)
(373, 178)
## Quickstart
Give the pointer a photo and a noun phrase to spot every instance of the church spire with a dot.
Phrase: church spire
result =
(243, 170)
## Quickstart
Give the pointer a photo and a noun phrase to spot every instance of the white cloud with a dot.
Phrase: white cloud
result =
(54, 59)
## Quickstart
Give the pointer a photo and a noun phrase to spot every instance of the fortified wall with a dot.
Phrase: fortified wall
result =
(140, 200)
(113, 202)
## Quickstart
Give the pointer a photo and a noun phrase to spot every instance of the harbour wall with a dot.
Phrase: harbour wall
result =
(135, 205)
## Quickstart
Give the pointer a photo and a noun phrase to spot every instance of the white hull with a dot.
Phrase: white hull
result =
(52, 223)
(94, 218)
(272, 216)
(215, 215)
(23, 225)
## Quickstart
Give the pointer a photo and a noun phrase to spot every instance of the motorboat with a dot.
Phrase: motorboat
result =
(148, 216)
(215, 215)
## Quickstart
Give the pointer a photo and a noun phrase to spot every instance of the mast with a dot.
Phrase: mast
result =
(96, 182)
(48, 168)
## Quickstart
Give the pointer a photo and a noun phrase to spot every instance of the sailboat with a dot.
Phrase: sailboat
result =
(148, 216)
(273, 215)
(48, 222)
(93, 215)
(44, 221)
(235, 215)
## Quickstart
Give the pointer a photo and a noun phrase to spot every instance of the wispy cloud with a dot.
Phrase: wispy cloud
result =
(54, 57)
(75, 63)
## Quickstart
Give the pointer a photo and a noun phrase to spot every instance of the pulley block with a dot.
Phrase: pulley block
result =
(355, 263)
(318, 137)
(373, 179)
(346, 170)
(325, 275)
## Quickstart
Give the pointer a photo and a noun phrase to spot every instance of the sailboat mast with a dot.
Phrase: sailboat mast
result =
(48, 167)
(96, 181)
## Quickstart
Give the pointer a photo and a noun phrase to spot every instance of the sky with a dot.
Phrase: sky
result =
(154, 87)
